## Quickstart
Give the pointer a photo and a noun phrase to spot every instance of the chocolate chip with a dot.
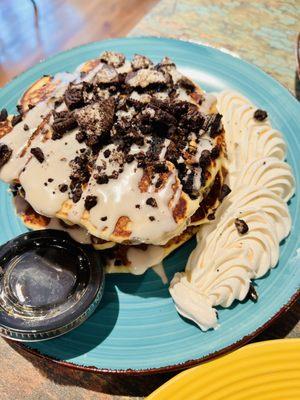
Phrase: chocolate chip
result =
(16, 119)
(5, 154)
(260, 115)
(106, 153)
(102, 179)
(252, 293)
(26, 127)
(241, 226)
(103, 218)
(137, 206)
(50, 180)
(63, 187)
(151, 202)
(151, 218)
(64, 121)
(3, 115)
(225, 190)
(38, 154)
(90, 202)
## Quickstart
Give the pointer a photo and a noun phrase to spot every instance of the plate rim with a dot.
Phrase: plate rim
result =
(189, 363)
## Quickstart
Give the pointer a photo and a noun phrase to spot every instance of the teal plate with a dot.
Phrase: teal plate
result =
(136, 329)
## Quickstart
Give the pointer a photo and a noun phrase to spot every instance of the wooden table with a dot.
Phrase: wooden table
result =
(261, 32)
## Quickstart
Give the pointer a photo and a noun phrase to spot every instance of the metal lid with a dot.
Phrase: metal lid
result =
(49, 284)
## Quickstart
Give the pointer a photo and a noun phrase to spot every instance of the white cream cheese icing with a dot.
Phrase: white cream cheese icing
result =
(220, 268)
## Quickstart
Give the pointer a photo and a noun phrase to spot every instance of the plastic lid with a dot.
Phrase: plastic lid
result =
(49, 284)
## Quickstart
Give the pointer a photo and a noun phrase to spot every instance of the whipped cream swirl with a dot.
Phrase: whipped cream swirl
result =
(220, 269)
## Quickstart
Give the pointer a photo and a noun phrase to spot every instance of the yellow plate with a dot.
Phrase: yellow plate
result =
(260, 371)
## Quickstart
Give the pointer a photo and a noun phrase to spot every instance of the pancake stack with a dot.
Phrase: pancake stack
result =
(126, 155)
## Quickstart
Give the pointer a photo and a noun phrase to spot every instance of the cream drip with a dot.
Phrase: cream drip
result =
(220, 268)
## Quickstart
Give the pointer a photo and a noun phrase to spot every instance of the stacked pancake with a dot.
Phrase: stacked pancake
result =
(125, 155)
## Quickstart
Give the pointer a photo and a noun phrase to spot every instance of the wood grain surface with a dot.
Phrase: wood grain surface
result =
(27, 37)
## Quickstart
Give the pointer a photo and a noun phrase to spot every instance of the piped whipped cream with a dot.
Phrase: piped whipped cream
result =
(221, 267)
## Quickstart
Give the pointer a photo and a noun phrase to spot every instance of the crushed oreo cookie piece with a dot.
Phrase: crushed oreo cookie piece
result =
(90, 202)
(143, 78)
(205, 159)
(213, 124)
(80, 137)
(129, 158)
(106, 153)
(225, 190)
(252, 293)
(76, 194)
(38, 154)
(215, 152)
(151, 202)
(74, 96)
(63, 121)
(241, 226)
(103, 218)
(96, 118)
(101, 179)
(260, 115)
(152, 218)
(106, 76)
(26, 127)
(5, 154)
(3, 115)
(63, 187)
(16, 119)
(140, 62)
(111, 58)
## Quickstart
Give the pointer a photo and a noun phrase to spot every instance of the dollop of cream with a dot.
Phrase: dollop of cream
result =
(220, 268)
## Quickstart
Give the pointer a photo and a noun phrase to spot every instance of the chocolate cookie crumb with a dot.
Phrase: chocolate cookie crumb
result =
(80, 137)
(63, 187)
(106, 153)
(118, 262)
(90, 202)
(129, 158)
(50, 180)
(74, 96)
(31, 106)
(16, 119)
(151, 202)
(211, 217)
(241, 226)
(26, 127)
(38, 154)
(260, 115)
(5, 154)
(64, 121)
(103, 218)
(102, 179)
(224, 192)
(137, 206)
(3, 115)
(152, 218)
(252, 293)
